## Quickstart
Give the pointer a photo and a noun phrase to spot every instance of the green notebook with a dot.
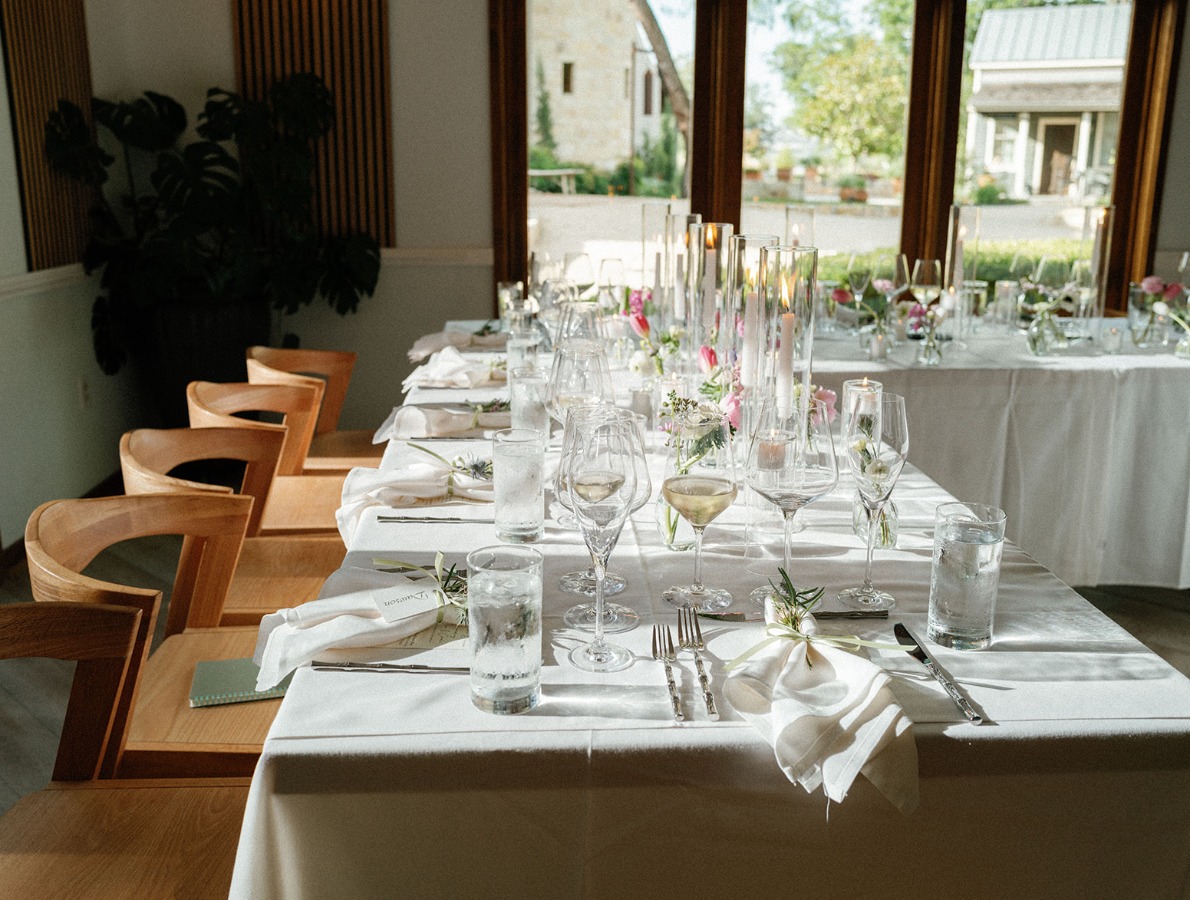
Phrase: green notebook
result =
(219, 681)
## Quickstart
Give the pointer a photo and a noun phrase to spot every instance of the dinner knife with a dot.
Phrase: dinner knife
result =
(913, 647)
(323, 666)
(391, 520)
(758, 615)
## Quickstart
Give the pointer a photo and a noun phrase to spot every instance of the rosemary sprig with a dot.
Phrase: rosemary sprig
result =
(791, 604)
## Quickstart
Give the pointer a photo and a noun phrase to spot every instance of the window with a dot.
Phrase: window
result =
(567, 78)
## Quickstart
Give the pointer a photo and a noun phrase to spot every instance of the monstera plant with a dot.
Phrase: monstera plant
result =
(219, 228)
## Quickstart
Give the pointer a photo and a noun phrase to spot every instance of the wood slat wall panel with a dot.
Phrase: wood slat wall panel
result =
(45, 48)
(345, 42)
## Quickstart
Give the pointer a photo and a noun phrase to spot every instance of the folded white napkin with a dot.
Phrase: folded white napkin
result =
(429, 421)
(344, 616)
(829, 715)
(415, 478)
(460, 340)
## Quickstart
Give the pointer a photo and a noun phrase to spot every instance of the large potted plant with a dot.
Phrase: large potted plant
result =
(197, 242)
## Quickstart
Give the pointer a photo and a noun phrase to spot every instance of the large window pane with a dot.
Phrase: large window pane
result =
(1041, 94)
(606, 88)
(824, 129)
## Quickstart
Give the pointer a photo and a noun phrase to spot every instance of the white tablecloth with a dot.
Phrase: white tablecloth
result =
(379, 785)
(1089, 456)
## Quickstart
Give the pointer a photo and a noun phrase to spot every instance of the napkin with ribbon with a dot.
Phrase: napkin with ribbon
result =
(448, 368)
(464, 420)
(345, 615)
(417, 477)
(431, 343)
(828, 713)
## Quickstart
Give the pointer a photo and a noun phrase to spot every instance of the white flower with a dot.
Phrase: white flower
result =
(639, 363)
(1161, 308)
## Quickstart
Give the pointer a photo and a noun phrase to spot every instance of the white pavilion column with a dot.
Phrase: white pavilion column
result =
(1083, 155)
(1019, 154)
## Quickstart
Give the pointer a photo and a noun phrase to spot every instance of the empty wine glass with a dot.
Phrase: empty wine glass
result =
(791, 463)
(601, 479)
(579, 374)
(616, 617)
(859, 276)
(877, 444)
(579, 270)
(700, 482)
(611, 285)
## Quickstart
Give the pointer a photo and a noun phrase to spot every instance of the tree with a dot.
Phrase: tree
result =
(545, 118)
(671, 81)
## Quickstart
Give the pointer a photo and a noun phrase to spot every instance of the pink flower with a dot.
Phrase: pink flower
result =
(917, 311)
(640, 325)
(1153, 284)
(841, 295)
(1173, 291)
(636, 302)
(828, 398)
(707, 358)
(731, 409)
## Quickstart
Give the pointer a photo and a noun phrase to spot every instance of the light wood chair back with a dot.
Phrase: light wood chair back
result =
(213, 404)
(148, 455)
(101, 639)
(330, 369)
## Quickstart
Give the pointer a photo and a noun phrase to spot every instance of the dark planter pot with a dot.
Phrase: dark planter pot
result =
(181, 343)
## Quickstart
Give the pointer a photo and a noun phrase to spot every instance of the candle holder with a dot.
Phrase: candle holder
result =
(706, 281)
(740, 337)
(788, 276)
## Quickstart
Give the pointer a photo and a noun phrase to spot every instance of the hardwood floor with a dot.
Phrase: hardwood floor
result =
(33, 691)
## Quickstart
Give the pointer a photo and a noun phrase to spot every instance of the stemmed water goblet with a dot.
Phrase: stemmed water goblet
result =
(600, 477)
(616, 617)
(579, 374)
(791, 463)
(700, 482)
(877, 444)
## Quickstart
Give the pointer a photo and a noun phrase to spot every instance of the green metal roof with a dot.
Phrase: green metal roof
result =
(1052, 34)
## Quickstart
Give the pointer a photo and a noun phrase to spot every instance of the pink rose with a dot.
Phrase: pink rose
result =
(640, 325)
(707, 358)
(841, 295)
(731, 409)
(828, 398)
(1153, 284)
(1173, 291)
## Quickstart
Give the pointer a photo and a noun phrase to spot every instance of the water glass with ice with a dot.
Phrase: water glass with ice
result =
(504, 628)
(518, 460)
(526, 393)
(968, 544)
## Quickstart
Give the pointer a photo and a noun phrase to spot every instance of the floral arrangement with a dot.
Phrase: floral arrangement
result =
(874, 300)
(721, 385)
(1154, 289)
(651, 354)
(1155, 298)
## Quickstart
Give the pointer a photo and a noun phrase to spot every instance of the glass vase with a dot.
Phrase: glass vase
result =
(889, 523)
(1147, 327)
(929, 352)
(676, 533)
(1044, 335)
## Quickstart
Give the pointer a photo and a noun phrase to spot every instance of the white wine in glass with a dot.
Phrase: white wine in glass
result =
(700, 483)
(926, 281)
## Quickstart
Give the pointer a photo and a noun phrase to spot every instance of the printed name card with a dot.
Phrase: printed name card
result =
(407, 598)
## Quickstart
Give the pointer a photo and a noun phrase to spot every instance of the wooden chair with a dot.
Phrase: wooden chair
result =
(108, 839)
(329, 371)
(298, 503)
(273, 572)
(164, 736)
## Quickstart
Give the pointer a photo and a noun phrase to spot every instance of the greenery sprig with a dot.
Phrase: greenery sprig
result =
(792, 605)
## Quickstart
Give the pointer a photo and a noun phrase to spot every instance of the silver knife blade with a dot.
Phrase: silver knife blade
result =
(758, 615)
(323, 666)
(914, 648)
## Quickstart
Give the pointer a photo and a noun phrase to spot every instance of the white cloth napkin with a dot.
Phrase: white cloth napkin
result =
(460, 340)
(428, 421)
(415, 478)
(829, 715)
(344, 616)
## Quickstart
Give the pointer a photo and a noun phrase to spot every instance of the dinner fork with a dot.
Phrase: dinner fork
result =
(663, 649)
(690, 638)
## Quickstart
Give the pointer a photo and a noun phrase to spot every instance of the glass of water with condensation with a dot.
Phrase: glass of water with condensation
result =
(504, 628)
(518, 463)
(968, 543)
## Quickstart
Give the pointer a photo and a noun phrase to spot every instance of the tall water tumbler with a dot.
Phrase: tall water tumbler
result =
(518, 460)
(968, 544)
(504, 628)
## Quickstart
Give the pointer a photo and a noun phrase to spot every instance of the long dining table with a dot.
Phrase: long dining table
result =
(390, 784)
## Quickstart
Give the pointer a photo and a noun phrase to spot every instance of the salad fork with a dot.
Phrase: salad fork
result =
(663, 649)
(690, 638)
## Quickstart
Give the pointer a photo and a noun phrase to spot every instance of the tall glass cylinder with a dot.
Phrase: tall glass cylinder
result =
(1104, 218)
(676, 262)
(654, 215)
(788, 285)
(799, 226)
(739, 338)
(706, 281)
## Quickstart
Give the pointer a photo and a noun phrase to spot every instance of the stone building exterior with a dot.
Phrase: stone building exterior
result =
(1043, 116)
(601, 75)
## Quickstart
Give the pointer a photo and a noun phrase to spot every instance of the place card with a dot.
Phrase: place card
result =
(407, 598)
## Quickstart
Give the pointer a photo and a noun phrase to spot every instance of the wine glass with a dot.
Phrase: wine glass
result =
(859, 276)
(791, 463)
(579, 374)
(552, 299)
(616, 617)
(611, 285)
(877, 444)
(700, 482)
(579, 320)
(1052, 278)
(926, 281)
(578, 269)
(601, 480)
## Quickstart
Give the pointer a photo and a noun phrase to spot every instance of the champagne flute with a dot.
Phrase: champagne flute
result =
(877, 444)
(616, 617)
(700, 482)
(579, 374)
(601, 480)
(791, 463)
